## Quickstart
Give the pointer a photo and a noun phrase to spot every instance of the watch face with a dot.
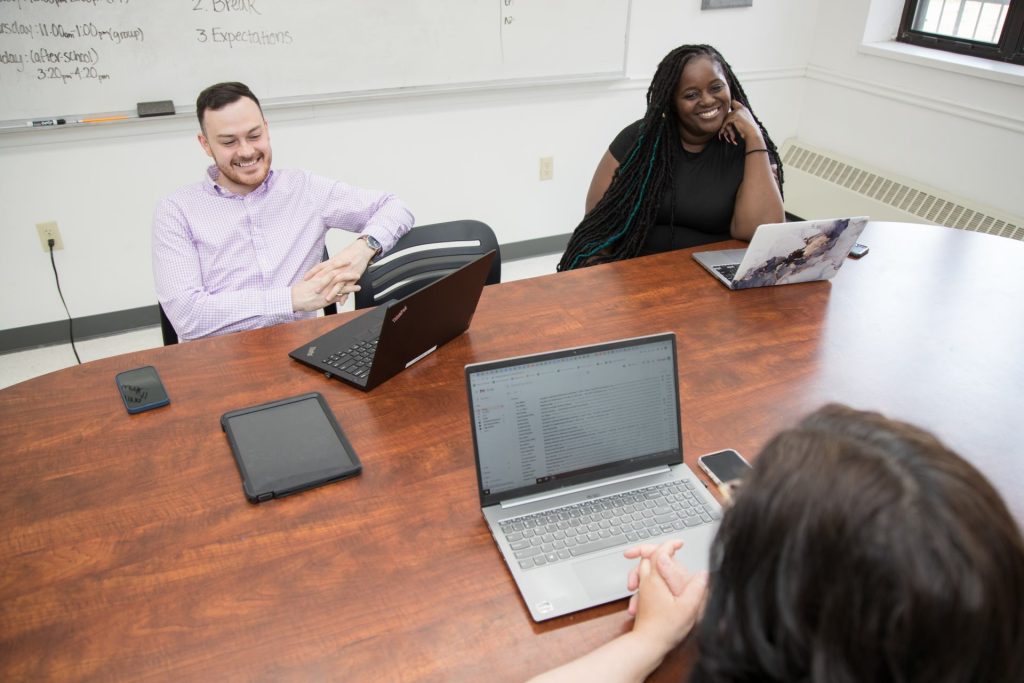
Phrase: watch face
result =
(374, 244)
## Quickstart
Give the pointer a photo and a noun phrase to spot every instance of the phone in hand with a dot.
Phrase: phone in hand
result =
(141, 389)
(726, 468)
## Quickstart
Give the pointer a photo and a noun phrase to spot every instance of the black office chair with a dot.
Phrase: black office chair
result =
(425, 254)
(170, 335)
(166, 328)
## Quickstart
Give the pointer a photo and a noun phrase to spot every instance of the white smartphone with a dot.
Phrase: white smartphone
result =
(726, 468)
(858, 250)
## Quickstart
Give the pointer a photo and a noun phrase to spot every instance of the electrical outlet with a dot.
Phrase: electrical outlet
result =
(49, 231)
(547, 168)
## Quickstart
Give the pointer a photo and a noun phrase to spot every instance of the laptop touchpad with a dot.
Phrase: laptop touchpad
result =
(605, 576)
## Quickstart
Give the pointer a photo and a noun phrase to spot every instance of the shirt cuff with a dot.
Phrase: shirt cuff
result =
(381, 234)
(278, 304)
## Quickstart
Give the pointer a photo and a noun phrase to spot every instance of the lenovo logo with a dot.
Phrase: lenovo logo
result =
(399, 314)
(311, 352)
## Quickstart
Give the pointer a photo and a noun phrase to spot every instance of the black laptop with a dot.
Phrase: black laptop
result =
(381, 343)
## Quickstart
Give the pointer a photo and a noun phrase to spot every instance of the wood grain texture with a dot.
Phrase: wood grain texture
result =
(130, 553)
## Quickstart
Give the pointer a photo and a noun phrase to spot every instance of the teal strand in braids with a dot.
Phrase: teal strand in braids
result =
(636, 148)
(632, 214)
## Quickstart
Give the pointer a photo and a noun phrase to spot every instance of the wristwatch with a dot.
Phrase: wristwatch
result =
(373, 243)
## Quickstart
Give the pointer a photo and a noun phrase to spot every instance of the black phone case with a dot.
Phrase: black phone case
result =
(287, 446)
(140, 404)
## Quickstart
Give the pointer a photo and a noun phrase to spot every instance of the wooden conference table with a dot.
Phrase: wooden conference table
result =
(129, 551)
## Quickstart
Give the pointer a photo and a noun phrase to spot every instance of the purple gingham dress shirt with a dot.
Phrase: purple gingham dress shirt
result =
(224, 262)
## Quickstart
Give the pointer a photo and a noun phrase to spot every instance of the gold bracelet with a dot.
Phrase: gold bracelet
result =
(762, 149)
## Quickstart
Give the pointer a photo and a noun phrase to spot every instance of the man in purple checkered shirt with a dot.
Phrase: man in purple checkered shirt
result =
(242, 249)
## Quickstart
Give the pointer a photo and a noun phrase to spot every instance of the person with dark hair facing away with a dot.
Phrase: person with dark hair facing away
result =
(858, 549)
(698, 168)
(242, 249)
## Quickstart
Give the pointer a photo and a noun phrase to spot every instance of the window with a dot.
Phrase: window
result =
(993, 29)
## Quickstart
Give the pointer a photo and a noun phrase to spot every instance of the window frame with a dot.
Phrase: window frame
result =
(1009, 49)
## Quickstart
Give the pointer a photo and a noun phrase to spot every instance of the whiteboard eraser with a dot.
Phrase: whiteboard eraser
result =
(161, 108)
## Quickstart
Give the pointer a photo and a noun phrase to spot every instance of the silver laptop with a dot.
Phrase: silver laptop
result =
(578, 457)
(786, 253)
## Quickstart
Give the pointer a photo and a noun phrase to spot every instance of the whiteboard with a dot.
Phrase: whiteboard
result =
(82, 57)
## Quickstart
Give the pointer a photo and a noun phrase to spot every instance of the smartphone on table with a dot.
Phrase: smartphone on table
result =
(141, 389)
(726, 469)
(858, 250)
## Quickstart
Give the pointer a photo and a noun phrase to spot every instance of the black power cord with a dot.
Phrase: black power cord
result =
(71, 323)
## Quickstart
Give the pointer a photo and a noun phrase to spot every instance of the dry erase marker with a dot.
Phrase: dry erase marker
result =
(101, 119)
(46, 122)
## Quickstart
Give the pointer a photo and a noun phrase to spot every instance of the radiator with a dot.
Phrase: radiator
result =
(821, 184)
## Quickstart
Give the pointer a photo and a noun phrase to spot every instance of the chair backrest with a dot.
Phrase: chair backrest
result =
(170, 335)
(426, 254)
(166, 328)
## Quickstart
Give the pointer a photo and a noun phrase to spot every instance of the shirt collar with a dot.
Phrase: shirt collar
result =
(210, 181)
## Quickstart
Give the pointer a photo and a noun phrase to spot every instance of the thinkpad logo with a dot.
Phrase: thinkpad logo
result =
(400, 314)
(311, 352)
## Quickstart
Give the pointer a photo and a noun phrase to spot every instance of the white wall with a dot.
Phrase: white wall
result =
(958, 132)
(449, 156)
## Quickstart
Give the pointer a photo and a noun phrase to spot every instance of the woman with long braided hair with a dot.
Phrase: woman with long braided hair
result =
(698, 168)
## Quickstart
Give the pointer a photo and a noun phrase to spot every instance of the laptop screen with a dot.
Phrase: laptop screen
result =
(556, 419)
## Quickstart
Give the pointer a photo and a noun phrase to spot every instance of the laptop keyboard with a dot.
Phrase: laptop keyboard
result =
(567, 532)
(355, 360)
(728, 271)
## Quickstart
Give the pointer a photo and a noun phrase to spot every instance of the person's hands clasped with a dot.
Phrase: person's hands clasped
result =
(739, 124)
(307, 296)
(336, 277)
(668, 599)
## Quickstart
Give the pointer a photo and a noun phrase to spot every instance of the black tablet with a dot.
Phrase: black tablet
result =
(288, 446)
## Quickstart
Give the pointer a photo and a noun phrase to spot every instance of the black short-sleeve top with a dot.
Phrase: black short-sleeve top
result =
(698, 208)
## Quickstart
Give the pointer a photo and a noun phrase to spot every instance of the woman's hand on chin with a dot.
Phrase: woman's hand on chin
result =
(739, 124)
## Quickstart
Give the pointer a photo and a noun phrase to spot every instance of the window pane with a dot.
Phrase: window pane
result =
(980, 20)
